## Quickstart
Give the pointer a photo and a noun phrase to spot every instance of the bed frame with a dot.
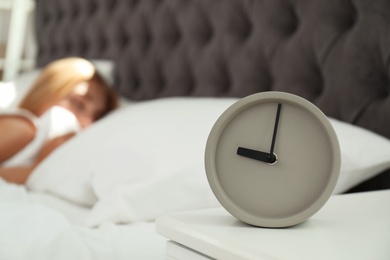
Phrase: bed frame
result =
(334, 53)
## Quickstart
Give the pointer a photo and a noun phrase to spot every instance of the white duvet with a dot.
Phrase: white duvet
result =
(30, 229)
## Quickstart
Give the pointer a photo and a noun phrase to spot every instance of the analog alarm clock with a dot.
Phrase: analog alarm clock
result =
(272, 159)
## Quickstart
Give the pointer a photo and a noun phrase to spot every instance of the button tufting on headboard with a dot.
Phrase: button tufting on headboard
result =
(335, 53)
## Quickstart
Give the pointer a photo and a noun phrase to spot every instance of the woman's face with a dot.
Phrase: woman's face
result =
(87, 102)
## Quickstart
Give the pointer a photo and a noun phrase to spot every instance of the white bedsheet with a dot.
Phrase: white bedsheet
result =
(37, 226)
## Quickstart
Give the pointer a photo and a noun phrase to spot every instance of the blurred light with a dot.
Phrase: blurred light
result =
(81, 89)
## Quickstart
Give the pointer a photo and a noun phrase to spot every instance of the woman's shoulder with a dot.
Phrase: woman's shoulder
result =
(19, 122)
(16, 132)
(19, 118)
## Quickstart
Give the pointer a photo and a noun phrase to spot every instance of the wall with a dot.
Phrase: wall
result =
(4, 23)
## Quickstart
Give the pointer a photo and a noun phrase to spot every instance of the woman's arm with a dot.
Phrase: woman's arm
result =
(19, 175)
(16, 175)
(15, 133)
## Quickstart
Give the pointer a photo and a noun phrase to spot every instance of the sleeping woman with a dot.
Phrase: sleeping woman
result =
(69, 95)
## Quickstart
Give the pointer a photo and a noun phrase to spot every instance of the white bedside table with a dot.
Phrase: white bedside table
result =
(354, 226)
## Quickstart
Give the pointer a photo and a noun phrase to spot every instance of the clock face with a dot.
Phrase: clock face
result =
(272, 159)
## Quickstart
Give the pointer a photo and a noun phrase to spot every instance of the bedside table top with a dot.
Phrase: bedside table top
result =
(353, 226)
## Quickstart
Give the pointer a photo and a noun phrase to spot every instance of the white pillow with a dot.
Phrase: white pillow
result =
(364, 154)
(7, 94)
(106, 69)
(147, 144)
(147, 159)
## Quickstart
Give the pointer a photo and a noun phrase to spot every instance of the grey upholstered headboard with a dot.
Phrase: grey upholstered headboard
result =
(334, 52)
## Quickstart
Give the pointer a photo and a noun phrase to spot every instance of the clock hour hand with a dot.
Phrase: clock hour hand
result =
(256, 155)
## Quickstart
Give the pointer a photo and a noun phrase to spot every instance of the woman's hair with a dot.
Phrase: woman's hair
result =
(58, 79)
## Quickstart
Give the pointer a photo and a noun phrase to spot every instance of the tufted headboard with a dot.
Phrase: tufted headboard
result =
(335, 53)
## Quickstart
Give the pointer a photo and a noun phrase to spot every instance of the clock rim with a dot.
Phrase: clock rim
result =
(212, 175)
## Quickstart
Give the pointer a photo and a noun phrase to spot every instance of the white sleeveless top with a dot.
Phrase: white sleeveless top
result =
(53, 123)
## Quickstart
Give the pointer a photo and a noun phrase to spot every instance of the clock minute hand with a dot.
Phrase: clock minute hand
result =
(271, 152)
(254, 154)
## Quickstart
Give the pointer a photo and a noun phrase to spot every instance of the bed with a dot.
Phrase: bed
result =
(177, 65)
